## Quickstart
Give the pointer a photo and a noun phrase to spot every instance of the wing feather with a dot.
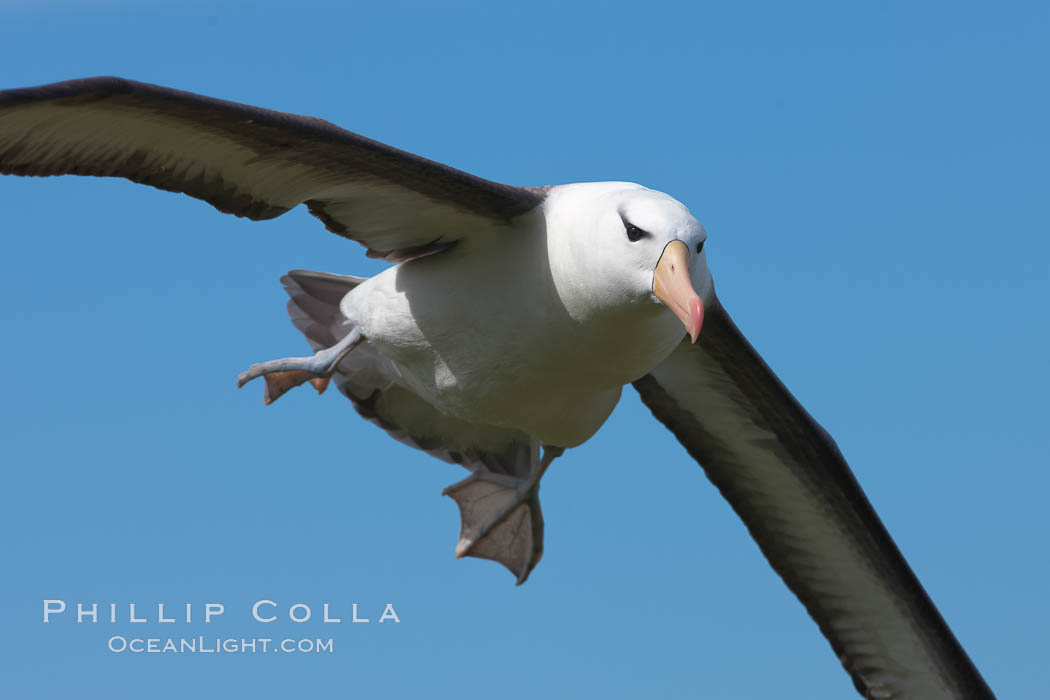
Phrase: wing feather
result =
(251, 162)
(787, 480)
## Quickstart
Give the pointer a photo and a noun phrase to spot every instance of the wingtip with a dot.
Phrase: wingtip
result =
(463, 547)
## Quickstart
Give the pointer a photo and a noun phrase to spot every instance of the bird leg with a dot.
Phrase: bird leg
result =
(500, 516)
(282, 375)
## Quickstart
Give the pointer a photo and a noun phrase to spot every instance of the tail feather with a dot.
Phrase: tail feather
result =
(314, 304)
(323, 286)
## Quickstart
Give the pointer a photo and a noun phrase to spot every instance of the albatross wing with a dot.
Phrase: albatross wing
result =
(251, 162)
(787, 480)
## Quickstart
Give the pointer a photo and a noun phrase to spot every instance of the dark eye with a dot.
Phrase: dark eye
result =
(699, 247)
(633, 232)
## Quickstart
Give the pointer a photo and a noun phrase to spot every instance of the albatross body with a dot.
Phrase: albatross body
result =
(505, 333)
(529, 331)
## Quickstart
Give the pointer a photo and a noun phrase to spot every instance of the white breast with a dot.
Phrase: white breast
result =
(496, 344)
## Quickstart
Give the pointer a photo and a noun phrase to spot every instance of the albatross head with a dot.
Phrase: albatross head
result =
(619, 244)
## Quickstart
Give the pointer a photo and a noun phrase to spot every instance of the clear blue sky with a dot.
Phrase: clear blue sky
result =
(874, 181)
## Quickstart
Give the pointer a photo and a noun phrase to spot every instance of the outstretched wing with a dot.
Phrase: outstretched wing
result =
(251, 162)
(785, 477)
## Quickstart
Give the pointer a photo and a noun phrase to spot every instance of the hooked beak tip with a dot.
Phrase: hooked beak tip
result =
(696, 318)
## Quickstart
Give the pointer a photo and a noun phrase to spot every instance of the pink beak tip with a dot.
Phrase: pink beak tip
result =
(696, 316)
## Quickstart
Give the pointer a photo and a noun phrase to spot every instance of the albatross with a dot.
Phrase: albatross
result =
(503, 335)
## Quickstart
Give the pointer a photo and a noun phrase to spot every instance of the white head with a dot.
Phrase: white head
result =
(617, 244)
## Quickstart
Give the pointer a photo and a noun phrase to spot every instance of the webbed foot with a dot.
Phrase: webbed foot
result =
(500, 517)
(288, 373)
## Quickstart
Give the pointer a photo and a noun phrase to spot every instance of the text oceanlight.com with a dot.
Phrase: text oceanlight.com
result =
(219, 645)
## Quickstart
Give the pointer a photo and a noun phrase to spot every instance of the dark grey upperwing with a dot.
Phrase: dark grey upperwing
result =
(787, 480)
(251, 162)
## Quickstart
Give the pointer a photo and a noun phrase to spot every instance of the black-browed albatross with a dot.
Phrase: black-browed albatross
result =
(505, 333)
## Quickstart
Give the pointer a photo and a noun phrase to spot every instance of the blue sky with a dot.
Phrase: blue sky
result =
(873, 180)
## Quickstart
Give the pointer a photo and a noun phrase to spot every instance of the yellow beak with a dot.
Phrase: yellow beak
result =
(672, 286)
